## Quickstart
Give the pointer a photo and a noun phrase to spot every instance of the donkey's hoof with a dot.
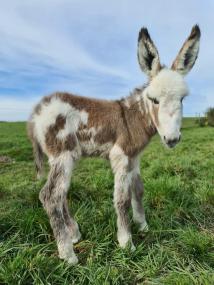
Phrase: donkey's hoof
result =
(73, 260)
(125, 241)
(75, 238)
(144, 227)
(39, 176)
(129, 245)
(133, 248)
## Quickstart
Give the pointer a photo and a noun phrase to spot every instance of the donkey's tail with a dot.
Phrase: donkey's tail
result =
(38, 159)
(37, 151)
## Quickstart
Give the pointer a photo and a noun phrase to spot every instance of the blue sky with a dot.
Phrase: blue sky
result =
(89, 48)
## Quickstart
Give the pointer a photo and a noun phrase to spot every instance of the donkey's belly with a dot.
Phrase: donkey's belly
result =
(90, 148)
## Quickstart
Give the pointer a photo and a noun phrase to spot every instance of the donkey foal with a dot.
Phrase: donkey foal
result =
(65, 127)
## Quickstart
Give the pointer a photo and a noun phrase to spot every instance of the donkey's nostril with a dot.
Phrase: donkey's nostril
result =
(172, 142)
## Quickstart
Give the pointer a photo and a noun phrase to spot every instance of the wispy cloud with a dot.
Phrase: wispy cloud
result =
(89, 47)
(16, 109)
(44, 42)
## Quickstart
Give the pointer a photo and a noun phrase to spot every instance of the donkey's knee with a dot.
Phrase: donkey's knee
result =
(138, 185)
(50, 199)
(122, 201)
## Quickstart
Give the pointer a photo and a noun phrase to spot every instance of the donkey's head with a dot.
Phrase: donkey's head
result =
(167, 87)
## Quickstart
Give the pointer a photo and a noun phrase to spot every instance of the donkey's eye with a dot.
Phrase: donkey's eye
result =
(154, 100)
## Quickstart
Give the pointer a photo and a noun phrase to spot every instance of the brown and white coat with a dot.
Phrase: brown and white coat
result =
(65, 127)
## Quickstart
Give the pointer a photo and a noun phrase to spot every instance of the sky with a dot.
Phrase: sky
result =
(90, 48)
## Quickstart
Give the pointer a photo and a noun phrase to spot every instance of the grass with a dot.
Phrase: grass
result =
(179, 202)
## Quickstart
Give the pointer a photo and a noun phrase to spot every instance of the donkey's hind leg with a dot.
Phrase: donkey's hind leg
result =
(52, 197)
(71, 223)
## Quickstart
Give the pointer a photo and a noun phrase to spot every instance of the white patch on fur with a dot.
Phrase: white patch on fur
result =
(47, 117)
(74, 118)
(126, 102)
(84, 117)
(119, 163)
(167, 83)
(139, 99)
(118, 159)
(168, 87)
(64, 159)
(48, 114)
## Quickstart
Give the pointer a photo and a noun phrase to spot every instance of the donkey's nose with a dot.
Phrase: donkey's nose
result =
(172, 142)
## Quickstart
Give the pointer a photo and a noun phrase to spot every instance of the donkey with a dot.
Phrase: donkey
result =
(65, 127)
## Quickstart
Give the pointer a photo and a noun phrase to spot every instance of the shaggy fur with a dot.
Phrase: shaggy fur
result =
(65, 127)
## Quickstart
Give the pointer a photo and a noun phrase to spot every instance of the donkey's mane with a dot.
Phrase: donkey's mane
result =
(137, 91)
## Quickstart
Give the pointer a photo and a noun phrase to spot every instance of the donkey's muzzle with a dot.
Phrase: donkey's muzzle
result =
(172, 142)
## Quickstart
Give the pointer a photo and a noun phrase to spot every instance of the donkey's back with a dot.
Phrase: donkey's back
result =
(64, 122)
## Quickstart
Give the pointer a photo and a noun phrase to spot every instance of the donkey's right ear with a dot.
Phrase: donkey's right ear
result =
(147, 54)
(189, 52)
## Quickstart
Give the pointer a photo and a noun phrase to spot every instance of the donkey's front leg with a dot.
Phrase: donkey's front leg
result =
(122, 195)
(137, 203)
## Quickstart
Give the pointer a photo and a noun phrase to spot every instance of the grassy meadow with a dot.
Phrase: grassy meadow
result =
(179, 202)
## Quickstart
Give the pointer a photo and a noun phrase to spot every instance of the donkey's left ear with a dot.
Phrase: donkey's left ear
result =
(147, 54)
(188, 53)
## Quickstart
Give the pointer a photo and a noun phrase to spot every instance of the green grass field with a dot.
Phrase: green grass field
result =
(179, 202)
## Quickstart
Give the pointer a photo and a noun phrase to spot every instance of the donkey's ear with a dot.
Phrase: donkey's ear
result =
(188, 53)
(147, 54)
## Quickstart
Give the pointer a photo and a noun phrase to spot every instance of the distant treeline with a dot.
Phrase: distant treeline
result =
(207, 119)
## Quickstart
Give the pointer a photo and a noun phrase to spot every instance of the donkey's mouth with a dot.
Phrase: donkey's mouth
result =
(170, 143)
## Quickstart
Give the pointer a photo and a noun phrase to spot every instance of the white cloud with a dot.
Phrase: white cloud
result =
(89, 47)
(16, 109)
(44, 41)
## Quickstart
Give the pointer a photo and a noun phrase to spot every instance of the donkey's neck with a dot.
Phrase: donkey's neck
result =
(137, 102)
(137, 122)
